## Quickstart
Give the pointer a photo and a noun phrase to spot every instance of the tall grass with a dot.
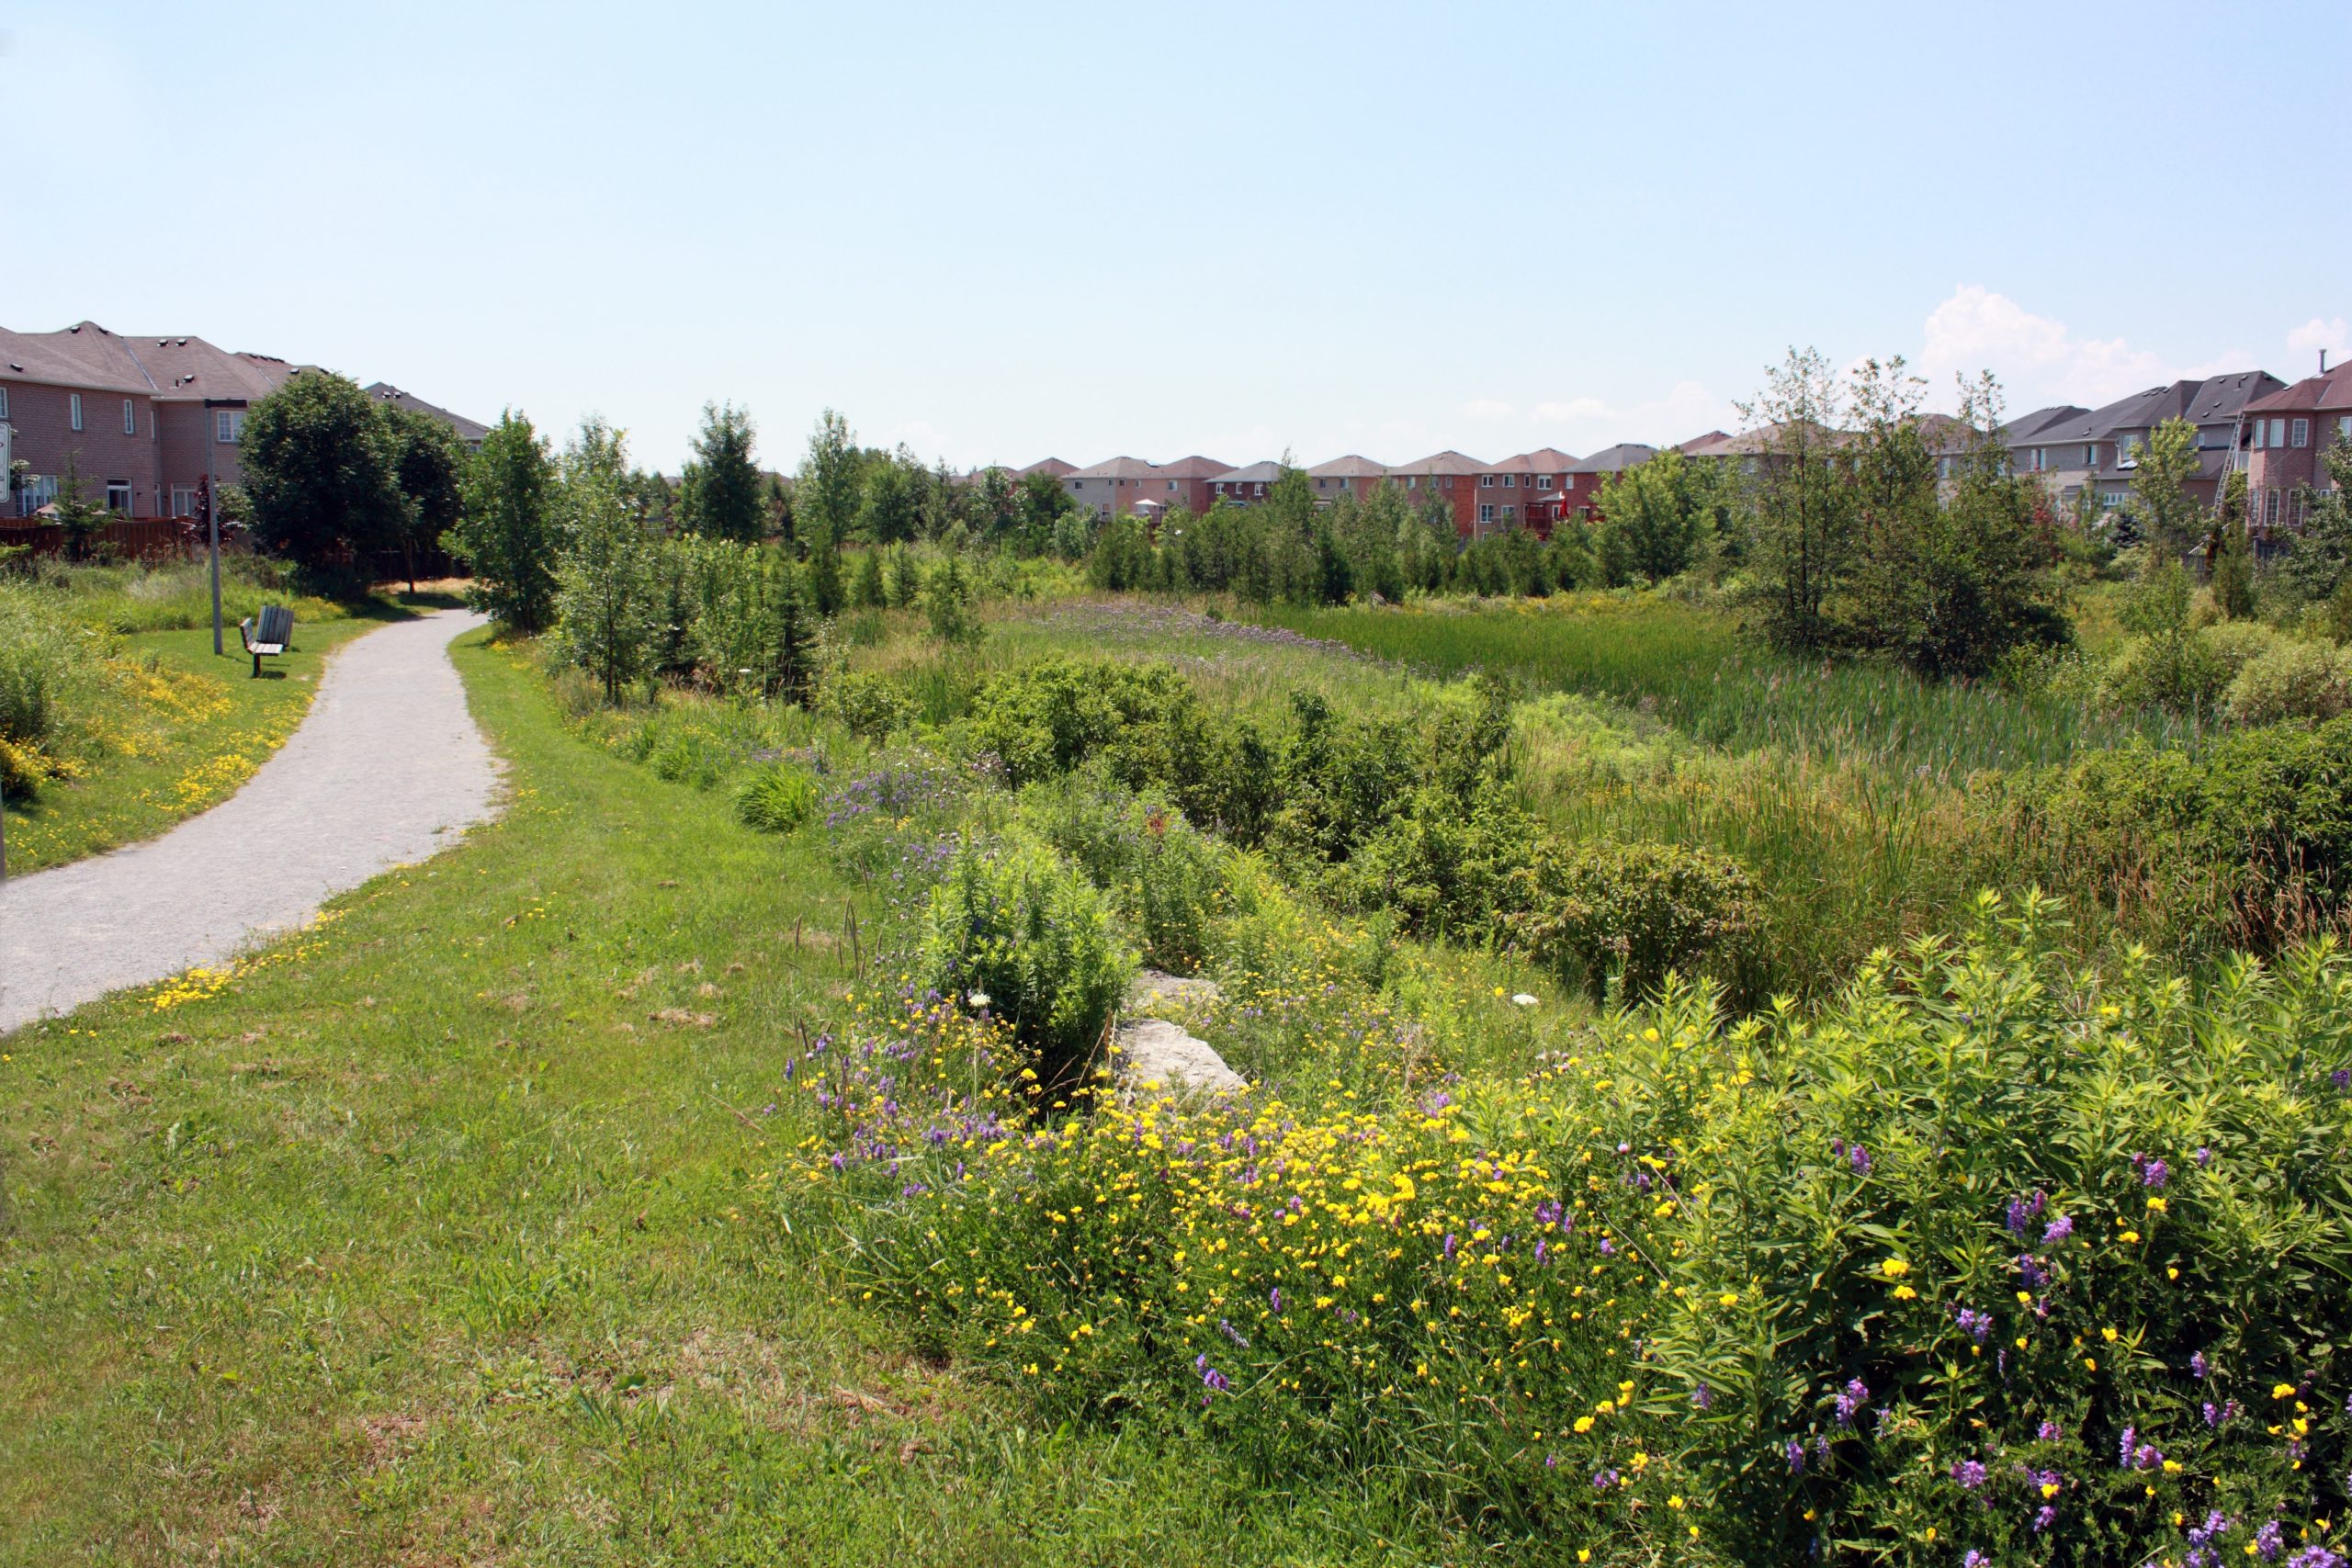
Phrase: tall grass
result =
(177, 597)
(1690, 668)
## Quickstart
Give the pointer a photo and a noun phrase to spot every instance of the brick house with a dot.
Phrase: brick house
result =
(79, 398)
(1244, 486)
(1350, 475)
(143, 418)
(1504, 488)
(2280, 441)
(1581, 487)
(1186, 482)
(1453, 478)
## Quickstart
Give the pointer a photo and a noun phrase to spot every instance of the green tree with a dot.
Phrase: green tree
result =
(429, 464)
(1803, 501)
(825, 496)
(887, 509)
(606, 597)
(318, 460)
(2229, 553)
(76, 513)
(1656, 517)
(2319, 554)
(866, 588)
(2164, 511)
(720, 494)
(505, 531)
(947, 600)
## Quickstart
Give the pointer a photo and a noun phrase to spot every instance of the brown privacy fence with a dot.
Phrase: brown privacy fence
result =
(147, 539)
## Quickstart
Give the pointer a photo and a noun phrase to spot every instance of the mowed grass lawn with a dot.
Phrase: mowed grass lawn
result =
(444, 1237)
(183, 729)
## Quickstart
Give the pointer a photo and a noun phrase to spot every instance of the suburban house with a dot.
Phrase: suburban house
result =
(2283, 436)
(1453, 478)
(1113, 487)
(1244, 486)
(1350, 475)
(139, 419)
(1579, 488)
(2097, 450)
(1187, 481)
(469, 430)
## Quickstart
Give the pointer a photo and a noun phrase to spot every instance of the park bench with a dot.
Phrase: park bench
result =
(268, 635)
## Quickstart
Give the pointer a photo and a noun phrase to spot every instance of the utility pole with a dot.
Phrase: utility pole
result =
(211, 520)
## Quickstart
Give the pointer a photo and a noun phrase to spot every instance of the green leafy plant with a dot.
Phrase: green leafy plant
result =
(777, 798)
(1601, 911)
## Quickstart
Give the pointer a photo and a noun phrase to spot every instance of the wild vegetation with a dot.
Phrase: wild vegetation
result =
(1736, 1067)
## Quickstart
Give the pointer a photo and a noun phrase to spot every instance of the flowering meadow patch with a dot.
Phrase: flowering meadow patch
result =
(2002, 1255)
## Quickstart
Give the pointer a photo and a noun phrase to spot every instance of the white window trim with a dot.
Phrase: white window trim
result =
(73, 409)
(129, 417)
(2299, 433)
(3, 403)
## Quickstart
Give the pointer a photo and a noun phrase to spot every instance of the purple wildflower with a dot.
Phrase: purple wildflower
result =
(1859, 1157)
(1969, 1472)
(1449, 1244)
(1703, 1397)
(2341, 1078)
(1274, 1298)
(1602, 1479)
(1977, 1325)
(2268, 1541)
(2057, 1230)
(2200, 1367)
(2204, 1156)
(1852, 1398)
(2044, 1518)
(1794, 1454)
(2050, 1432)
(1211, 1379)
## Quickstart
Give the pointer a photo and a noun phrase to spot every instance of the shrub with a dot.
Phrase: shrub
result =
(1011, 921)
(1050, 716)
(1599, 911)
(775, 800)
(2291, 680)
(1441, 867)
(2248, 846)
(871, 705)
(2178, 673)
(1164, 876)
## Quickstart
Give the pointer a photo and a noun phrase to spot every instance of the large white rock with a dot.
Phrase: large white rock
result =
(1156, 1057)
(1154, 988)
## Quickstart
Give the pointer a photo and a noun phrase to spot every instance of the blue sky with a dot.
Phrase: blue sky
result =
(999, 232)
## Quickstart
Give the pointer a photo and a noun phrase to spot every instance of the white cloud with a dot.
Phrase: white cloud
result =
(1588, 424)
(1486, 409)
(2315, 335)
(2041, 361)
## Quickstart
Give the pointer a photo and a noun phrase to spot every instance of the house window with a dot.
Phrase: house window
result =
(35, 491)
(1485, 481)
(2270, 506)
(1543, 481)
(183, 501)
(129, 417)
(1510, 515)
(2302, 433)
(227, 426)
(118, 497)
(1485, 514)
(1172, 487)
(1320, 483)
(1510, 481)
(73, 409)
(2278, 433)
(3, 403)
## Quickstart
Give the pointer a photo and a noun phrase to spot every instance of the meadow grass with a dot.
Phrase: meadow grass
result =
(439, 1234)
(1691, 668)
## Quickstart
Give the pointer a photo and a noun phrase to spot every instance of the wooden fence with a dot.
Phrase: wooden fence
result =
(147, 539)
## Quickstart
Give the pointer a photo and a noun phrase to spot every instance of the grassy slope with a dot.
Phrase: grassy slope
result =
(176, 756)
(425, 1243)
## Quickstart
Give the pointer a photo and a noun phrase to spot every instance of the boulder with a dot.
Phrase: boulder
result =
(1156, 1057)
(1152, 989)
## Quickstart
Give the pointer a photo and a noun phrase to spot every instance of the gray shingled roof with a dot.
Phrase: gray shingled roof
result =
(467, 429)
(87, 356)
(1255, 474)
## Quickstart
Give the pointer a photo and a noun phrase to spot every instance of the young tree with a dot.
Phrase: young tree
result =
(506, 530)
(887, 513)
(2230, 554)
(720, 494)
(429, 464)
(1656, 517)
(317, 462)
(825, 498)
(947, 600)
(1803, 502)
(76, 513)
(2166, 512)
(605, 598)
(2318, 564)
(866, 588)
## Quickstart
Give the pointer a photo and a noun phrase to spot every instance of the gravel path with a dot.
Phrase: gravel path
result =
(387, 769)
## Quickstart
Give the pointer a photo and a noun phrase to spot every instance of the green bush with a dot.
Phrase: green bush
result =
(1166, 878)
(776, 798)
(1049, 717)
(2248, 846)
(871, 705)
(1442, 868)
(2291, 680)
(2178, 673)
(1599, 911)
(1011, 921)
